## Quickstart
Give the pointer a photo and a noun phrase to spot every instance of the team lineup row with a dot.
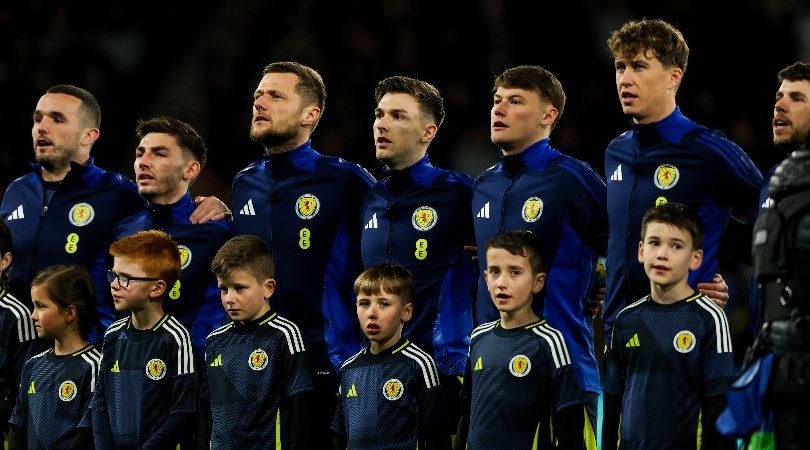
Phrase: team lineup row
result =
(324, 219)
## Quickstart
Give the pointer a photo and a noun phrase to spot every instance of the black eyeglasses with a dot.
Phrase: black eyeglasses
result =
(124, 280)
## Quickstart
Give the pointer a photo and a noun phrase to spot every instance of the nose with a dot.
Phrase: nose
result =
(499, 109)
(258, 103)
(779, 106)
(381, 124)
(624, 78)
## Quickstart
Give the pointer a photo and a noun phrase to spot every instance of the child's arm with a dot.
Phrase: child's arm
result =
(569, 423)
(18, 421)
(300, 420)
(17, 438)
(81, 440)
(339, 442)
(711, 408)
(611, 410)
(462, 431)
(102, 432)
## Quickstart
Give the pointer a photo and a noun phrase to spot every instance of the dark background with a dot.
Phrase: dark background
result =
(201, 61)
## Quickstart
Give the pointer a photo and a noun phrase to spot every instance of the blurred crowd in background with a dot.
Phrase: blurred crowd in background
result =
(201, 61)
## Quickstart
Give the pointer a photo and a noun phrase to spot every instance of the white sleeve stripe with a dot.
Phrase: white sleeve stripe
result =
(429, 369)
(94, 360)
(557, 342)
(185, 358)
(720, 324)
(352, 358)
(220, 330)
(412, 348)
(25, 326)
(483, 328)
(117, 325)
(292, 335)
(296, 332)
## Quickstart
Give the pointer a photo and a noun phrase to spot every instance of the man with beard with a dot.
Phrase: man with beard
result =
(65, 210)
(306, 207)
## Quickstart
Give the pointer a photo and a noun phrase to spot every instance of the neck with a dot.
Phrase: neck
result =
(669, 294)
(68, 344)
(148, 316)
(518, 149)
(168, 198)
(379, 347)
(658, 116)
(406, 164)
(60, 173)
(519, 318)
(265, 309)
(286, 146)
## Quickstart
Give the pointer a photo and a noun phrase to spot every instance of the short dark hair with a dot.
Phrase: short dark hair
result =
(391, 278)
(187, 137)
(246, 252)
(523, 243)
(68, 285)
(659, 36)
(310, 84)
(429, 99)
(679, 216)
(798, 71)
(537, 79)
(90, 110)
(6, 246)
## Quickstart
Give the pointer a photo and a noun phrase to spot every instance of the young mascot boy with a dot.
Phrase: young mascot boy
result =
(256, 365)
(146, 395)
(390, 396)
(670, 360)
(520, 391)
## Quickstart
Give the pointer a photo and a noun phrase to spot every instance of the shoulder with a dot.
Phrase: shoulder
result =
(629, 309)
(555, 341)
(251, 169)
(116, 327)
(451, 177)
(18, 308)
(717, 320)
(217, 333)
(27, 179)
(291, 332)
(176, 330)
(424, 362)
(353, 170)
(620, 141)
(490, 172)
(351, 360)
(483, 328)
(91, 356)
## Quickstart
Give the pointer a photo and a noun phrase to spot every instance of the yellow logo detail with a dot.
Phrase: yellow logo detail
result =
(352, 391)
(421, 249)
(174, 294)
(155, 369)
(478, 365)
(684, 341)
(661, 201)
(307, 206)
(393, 389)
(633, 342)
(304, 242)
(185, 256)
(520, 366)
(217, 361)
(115, 368)
(81, 214)
(258, 359)
(32, 389)
(72, 243)
(67, 391)
(532, 209)
(666, 176)
(424, 218)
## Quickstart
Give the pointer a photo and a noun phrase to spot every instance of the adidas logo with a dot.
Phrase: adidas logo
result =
(617, 174)
(352, 392)
(633, 342)
(484, 213)
(766, 204)
(248, 210)
(478, 365)
(115, 368)
(32, 389)
(17, 214)
(372, 223)
(217, 361)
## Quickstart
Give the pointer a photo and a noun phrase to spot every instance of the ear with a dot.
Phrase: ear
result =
(192, 170)
(158, 289)
(89, 136)
(429, 132)
(407, 312)
(269, 286)
(5, 261)
(310, 115)
(641, 252)
(675, 77)
(538, 283)
(549, 116)
(697, 260)
(70, 313)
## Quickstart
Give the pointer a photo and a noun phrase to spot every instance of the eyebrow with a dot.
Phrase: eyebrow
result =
(52, 114)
